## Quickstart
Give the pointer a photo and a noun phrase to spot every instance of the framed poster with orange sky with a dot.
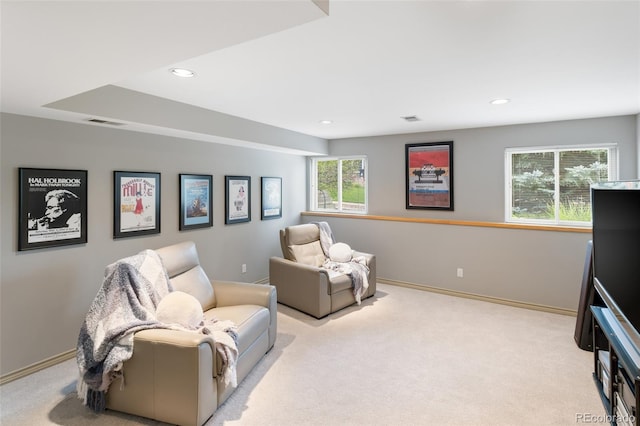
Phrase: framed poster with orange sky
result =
(429, 174)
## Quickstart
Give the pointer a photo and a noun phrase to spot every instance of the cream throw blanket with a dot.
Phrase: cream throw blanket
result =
(184, 311)
(357, 268)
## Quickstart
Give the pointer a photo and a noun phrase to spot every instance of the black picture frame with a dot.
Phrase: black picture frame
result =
(196, 201)
(52, 208)
(136, 204)
(271, 207)
(429, 175)
(237, 206)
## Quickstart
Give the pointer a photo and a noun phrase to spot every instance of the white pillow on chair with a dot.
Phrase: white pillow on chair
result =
(180, 308)
(340, 252)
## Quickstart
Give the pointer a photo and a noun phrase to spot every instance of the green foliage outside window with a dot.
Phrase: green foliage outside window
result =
(327, 182)
(535, 187)
(352, 181)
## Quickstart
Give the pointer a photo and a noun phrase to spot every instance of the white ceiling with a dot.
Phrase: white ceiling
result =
(364, 66)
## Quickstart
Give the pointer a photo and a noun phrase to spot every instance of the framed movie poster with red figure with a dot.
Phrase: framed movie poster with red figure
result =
(429, 175)
(136, 204)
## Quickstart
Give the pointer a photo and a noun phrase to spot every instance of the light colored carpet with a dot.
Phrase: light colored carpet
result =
(405, 357)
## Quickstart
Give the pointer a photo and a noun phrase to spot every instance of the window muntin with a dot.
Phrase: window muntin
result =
(339, 184)
(552, 185)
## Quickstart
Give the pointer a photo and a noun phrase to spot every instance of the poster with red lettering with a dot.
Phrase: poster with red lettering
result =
(429, 175)
(53, 208)
(137, 204)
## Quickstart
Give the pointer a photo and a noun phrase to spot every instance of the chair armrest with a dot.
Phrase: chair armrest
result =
(289, 266)
(369, 258)
(286, 271)
(301, 286)
(231, 293)
(179, 338)
(175, 340)
(171, 376)
(371, 263)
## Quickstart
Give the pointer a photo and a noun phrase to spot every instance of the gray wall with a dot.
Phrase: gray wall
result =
(530, 266)
(479, 161)
(45, 293)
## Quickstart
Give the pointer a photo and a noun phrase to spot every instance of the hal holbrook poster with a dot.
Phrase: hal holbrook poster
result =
(53, 207)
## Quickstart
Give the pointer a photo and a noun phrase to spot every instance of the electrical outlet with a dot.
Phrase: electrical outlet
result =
(244, 268)
(460, 273)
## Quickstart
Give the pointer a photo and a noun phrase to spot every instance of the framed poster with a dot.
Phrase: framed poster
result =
(271, 198)
(52, 208)
(196, 195)
(237, 204)
(429, 175)
(136, 204)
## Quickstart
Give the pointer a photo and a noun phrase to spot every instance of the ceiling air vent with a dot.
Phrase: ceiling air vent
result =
(99, 121)
(410, 118)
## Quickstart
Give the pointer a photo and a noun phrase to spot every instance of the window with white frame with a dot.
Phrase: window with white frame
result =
(552, 185)
(339, 184)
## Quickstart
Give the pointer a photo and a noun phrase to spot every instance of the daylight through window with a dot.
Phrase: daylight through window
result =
(339, 184)
(552, 186)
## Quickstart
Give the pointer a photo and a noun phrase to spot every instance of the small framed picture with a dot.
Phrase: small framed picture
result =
(429, 175)
(136, 204)
(271, 198)
(237, 199)
(52, 208)
(196, 195)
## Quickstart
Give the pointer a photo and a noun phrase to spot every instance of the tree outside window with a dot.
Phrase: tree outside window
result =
(554, 185)
(340, 184)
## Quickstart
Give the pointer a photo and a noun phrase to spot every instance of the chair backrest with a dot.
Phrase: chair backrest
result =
(185, 273)
(301, 243)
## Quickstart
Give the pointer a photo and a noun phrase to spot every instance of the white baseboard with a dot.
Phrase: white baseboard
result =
(33, 368)
(533, 306)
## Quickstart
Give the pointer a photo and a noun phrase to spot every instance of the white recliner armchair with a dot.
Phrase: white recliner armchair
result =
(301, 281)
(173, 375)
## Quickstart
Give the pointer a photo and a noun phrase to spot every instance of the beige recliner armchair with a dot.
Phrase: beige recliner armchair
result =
(174, 376)
(303, 284)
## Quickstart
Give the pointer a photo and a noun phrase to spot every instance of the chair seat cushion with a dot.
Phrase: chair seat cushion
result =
(339, 282)
(252, 321)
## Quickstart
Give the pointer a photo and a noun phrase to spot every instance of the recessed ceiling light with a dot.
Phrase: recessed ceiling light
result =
(182, 72)
(500, 101)
(326, 122)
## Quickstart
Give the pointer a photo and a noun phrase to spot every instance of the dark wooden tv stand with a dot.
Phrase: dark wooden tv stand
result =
(616, 369)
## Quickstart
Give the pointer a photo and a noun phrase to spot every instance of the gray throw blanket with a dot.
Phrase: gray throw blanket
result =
(357, 268)
(225, 337)
(326, 237)
(125, 304)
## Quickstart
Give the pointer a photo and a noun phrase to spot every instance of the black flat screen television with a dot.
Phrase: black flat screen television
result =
(616, 251)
